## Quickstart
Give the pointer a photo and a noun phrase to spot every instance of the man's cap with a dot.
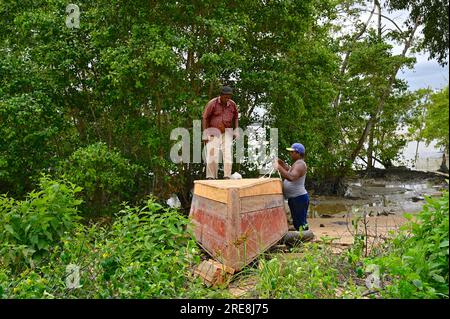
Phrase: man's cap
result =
(226, 90)
(297, 147)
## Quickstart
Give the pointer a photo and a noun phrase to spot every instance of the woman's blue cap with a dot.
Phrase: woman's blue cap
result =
(297, 147)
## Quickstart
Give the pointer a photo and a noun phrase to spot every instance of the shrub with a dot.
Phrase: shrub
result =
(146, 253)
(29, 228)
(106, 177)
(33, 133)
(416, 265)
(149, 255)
(313, 272)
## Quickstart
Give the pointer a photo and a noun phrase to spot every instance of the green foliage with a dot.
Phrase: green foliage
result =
(97, 105)
(311, 272)
(107, 179)
(149, 255)
(413, 264)
(371, 63)
(356, 252)
(148, 252)
(417, 120)
(29, 129)
(30, 228)
(417, 263)
(154, 71)
(129, 86)
(429, 119)
(436, 119)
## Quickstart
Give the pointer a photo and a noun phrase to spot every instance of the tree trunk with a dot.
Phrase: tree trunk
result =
(377, 4)
(370, 151)
(362, 139)
(422, 124)
(347, 54)
(417, 153)
(443, 168)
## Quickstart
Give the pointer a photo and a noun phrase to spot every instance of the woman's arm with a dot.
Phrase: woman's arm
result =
(298, 171)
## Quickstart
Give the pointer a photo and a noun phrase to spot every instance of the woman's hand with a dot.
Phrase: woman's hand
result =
(275, 164)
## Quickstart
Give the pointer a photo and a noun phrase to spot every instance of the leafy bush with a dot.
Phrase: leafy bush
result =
(106, 177)
(147, 253)
(416, 265)
(32, 134)
(313, 272)
(29, 228)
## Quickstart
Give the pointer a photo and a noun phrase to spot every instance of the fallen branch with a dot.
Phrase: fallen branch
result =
(370, 293)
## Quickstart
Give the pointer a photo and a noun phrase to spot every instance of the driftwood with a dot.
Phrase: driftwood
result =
(296, 237)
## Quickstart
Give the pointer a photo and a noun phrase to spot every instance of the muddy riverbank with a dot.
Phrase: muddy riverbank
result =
(380, 193)
(383, 195)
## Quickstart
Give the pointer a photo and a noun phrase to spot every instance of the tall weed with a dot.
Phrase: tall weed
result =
(31, 227)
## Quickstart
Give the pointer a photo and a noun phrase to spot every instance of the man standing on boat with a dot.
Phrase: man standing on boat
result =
(218, 118)
(294, 185)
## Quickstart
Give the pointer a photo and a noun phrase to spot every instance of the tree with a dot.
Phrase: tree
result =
(433, 15)
(417, 120)
(133, 71)
(436, 123)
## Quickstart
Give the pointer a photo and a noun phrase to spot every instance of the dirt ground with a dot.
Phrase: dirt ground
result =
(343, 231)
(384, 197)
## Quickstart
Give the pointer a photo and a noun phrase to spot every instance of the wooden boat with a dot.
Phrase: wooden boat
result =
(237, 220)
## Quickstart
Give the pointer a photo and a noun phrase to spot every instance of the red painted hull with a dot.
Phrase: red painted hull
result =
(236, 232)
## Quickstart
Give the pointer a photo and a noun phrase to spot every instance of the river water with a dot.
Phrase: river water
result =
(392, 195)
(429, 157)
(378, 196)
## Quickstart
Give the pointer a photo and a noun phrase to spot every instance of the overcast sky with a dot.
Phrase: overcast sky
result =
(425, 73)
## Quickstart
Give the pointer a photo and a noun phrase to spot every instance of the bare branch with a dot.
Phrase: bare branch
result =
(370, 293)
(385, 17)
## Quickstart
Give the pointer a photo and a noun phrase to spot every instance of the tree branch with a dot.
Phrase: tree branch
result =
(385, 17)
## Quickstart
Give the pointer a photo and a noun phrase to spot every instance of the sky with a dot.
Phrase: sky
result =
(425, 73)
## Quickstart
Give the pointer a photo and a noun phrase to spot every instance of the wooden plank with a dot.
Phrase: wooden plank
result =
(217, 194)
(231, 254)
(235, 183)
(211, 206)
(229, 183)
(272, 187)
(264, 228)
(261, 202)
(233, 217)
(214, 273)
